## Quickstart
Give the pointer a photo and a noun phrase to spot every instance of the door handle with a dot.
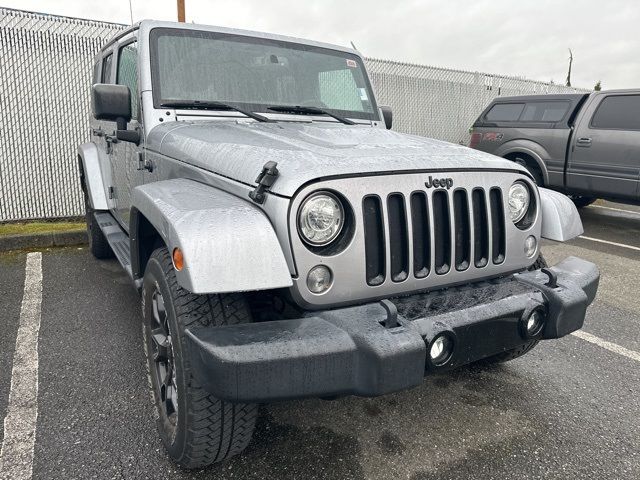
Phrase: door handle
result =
(584, 142)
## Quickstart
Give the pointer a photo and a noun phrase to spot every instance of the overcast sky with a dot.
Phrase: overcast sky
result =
(527, 38)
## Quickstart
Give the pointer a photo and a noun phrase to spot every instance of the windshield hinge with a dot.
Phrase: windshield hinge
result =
(266, 178)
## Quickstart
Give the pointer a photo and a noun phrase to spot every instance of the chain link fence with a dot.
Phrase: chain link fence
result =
(45, 72)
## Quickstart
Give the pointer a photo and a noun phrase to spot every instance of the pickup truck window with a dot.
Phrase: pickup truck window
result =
(128, 73)
(544, 111)
(505, 112)
(618, 112)
(538, 111)
(257, 73)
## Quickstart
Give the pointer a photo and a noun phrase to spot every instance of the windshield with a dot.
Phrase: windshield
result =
(257, 73)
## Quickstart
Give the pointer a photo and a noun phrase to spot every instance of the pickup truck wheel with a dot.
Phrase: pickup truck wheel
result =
(532, 169)
(196, 428)
(580, 201)
(522, 349)
(98, 244)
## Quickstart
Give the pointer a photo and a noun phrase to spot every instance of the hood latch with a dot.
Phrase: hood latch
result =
(266, 178)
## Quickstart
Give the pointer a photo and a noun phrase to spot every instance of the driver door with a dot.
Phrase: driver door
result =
(124, 155)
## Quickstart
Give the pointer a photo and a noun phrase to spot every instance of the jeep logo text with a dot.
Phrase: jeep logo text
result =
(439, 182)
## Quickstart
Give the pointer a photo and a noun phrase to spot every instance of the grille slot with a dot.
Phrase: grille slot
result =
(441, 232)
(374, 240)
(421, 235)
(480, 228)
(462, 230)
(497, 226)
(432, 232)
(398, 237)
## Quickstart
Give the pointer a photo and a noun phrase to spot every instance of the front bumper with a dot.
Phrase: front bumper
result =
(361, 351)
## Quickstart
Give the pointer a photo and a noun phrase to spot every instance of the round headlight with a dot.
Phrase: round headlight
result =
(519, 198)
(320, 219)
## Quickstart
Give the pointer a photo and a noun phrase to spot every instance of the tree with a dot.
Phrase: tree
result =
(569, 73)
(598, 86)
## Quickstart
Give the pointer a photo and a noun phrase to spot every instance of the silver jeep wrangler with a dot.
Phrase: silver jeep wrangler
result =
(287, 245)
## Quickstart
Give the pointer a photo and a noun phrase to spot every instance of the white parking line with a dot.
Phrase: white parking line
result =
(615, 348)
(16, 454)
(630, 247)
(616, 209)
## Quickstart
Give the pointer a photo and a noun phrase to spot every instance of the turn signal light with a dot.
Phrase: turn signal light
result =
(178, 259)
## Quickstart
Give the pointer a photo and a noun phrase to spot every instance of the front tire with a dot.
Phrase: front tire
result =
(533, 169)
(98, 244)
(196, 428)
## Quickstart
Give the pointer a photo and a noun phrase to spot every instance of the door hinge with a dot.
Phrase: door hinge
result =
(111, 192)
(144, 164)
(266, 179)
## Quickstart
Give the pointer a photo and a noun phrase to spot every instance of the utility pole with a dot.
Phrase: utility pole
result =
(181, 11)
(569, 73)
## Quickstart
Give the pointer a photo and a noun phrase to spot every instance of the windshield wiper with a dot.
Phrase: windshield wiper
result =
(207, 105)
(310, 111)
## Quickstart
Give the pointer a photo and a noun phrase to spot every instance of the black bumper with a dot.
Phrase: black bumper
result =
(356, 351)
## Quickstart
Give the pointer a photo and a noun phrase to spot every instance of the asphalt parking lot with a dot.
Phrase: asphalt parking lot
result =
(569, 409)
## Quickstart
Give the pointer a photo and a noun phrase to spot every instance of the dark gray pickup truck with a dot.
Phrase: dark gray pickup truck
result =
(584, 145)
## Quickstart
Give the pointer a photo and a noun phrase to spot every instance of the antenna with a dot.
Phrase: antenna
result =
(131, 12)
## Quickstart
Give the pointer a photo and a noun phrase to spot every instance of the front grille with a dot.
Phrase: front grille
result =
(439, 230)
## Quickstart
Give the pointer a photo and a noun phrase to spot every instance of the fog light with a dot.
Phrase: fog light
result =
(534, 323)
(440, 350)
(530, 246)
(319, 279)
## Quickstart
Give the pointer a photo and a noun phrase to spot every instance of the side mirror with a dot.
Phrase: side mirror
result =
(113, 102)
(387, 115)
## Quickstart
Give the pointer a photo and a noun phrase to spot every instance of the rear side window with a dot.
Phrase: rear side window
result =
(505, 112)
(128, 73)
(96, 73)
(106, 69)
(544, 111)
(618, 112)
(538, 111)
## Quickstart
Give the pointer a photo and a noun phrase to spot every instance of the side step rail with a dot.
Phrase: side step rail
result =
(117, 238)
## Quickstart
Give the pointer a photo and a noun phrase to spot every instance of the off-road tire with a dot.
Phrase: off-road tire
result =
(207, 430)
(98, 244)
(522, 349)
(580, 202)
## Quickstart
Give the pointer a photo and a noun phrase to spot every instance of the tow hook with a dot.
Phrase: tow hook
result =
(266, 178)
(392, 314)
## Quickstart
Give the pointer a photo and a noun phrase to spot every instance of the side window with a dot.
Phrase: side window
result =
(96, 73)
(618, 112)
(339, 91)
(544, 111)
(106, 69)
(504, 112)
(128, 73)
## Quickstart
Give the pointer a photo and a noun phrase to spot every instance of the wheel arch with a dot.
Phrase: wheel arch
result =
(228, 244)
(91, 175)
(531, 152)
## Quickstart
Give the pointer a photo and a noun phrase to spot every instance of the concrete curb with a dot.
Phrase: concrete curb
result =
(43, 240)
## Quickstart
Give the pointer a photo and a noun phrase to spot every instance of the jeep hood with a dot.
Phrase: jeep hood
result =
(309, 151)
